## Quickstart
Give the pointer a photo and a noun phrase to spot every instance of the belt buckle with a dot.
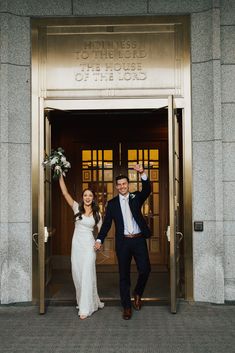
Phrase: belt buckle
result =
(132, 236)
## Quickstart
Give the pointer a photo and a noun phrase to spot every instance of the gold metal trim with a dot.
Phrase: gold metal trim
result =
(171, 156)
(35, 165)
(108, 21)
(187, 168)
(41, 242)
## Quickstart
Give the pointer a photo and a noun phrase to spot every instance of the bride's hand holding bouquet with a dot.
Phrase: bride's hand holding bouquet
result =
(57, 162)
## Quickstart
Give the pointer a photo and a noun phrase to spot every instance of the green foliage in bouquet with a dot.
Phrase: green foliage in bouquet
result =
(57, 162)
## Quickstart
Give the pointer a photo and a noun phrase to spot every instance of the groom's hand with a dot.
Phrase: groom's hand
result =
(139, 168)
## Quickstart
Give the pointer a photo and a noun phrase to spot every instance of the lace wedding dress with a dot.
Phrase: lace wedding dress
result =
(83, 257)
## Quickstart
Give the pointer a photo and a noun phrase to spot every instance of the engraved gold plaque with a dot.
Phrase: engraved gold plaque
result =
(120, 61)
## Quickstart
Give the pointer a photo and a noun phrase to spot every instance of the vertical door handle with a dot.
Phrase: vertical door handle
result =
(35, 239)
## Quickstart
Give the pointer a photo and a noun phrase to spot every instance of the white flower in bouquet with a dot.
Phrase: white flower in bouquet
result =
(57, 162)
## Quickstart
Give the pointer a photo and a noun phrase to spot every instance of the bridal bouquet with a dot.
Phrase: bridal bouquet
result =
(57, 162)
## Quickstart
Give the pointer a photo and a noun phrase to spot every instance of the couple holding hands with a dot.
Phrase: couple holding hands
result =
(131, 231)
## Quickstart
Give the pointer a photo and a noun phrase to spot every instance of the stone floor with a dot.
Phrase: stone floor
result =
(196, 328)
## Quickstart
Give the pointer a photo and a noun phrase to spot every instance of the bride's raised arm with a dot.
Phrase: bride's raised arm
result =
(65, 192)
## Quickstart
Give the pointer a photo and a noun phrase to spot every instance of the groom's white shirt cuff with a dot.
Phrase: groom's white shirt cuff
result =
(144, 176)
(98, 240)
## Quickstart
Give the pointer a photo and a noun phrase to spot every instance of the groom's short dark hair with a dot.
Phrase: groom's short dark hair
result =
(121, 176)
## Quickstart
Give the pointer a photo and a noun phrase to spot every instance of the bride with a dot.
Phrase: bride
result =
(83, 255)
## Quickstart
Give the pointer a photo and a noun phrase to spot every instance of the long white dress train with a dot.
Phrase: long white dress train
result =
(83, 258)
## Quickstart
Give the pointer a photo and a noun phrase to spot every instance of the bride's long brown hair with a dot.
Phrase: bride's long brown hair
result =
(94, 206)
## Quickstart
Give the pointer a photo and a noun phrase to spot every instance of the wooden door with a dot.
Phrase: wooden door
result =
(101, 163)
(99, 146)
(153, 157)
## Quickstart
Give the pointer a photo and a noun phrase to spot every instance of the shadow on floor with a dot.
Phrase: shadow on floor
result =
(61, 287)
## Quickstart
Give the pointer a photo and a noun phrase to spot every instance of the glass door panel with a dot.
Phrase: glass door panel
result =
(148, 154)
(101, 164)
(98, 174)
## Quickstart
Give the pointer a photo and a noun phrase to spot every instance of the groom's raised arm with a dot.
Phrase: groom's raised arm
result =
(146, 188)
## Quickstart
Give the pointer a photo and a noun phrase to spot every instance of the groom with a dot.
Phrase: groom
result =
(131, 233)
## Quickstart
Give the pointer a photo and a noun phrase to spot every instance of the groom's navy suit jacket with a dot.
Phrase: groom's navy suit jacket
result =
(114, 213)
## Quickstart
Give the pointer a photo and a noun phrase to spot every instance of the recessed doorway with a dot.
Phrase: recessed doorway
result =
(100, 145)
(129, 66)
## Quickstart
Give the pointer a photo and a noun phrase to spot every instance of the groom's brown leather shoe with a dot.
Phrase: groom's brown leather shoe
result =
(137, 302)
(126, 313)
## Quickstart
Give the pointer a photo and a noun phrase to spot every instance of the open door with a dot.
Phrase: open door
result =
(100, 162)
(45, 213)
(174, 202)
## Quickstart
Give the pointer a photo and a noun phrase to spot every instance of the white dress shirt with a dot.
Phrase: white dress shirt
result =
(136, 228)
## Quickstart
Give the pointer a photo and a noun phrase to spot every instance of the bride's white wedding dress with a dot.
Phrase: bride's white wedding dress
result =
(83, 258)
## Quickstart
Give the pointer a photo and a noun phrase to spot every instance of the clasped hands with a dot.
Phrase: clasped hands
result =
(97, 245)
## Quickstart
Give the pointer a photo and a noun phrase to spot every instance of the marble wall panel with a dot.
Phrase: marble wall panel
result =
(228, 115)
(3, 5)
(4, 207)
(229, 200)
(19, 106)
(229, 161)
(3, 261)
(178, 6)
(19, 183)
(218, 170)
(229, 258)
(229, 228)
(15, 104)
(203, 181)
(106, 7)
(207, 266)
(202, 102)
(19, 263)
(201, 36)
(227, 8)
(16, 41)
(229, 289)
(228, 83)
(228, 44)
(38, 8)
(4, 103)
(217, 111)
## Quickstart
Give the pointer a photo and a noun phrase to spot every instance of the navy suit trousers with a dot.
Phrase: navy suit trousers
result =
(132, 248)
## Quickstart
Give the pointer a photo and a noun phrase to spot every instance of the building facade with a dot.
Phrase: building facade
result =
(212, 43)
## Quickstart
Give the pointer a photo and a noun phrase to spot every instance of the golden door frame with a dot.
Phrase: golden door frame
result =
(40, 102)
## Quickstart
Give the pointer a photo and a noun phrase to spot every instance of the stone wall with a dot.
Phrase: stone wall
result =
(213, 121)
(228, 123)
(207, 156)
(15, 159)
